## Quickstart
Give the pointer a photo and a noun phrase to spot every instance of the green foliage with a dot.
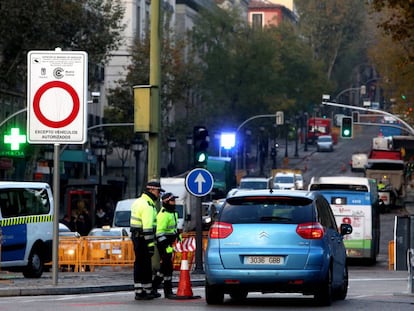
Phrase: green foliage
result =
(93, 26)
(177, 77)
(334, 31)
(252, 71)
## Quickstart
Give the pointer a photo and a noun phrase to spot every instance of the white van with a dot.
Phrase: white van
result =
(122, 214)
(26, 222)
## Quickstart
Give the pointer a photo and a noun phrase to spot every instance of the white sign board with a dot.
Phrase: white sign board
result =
(57, 97)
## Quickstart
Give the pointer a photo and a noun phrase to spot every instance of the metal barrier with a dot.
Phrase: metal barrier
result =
(391, 255)
(88, 252)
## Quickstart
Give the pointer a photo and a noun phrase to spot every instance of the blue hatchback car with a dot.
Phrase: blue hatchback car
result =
(276, 241)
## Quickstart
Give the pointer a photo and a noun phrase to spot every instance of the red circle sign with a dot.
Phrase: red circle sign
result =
(40, 115)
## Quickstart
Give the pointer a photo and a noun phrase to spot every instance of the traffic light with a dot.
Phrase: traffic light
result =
(346, 127)
(200, 142)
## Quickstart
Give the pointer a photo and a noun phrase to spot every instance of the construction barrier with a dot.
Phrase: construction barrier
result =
(391, 257)
(88, 252)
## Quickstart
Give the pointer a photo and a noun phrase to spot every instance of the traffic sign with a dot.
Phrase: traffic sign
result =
(199, 182)
(57, 97)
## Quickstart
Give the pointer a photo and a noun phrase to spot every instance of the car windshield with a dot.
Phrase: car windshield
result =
(267, 209)
(284, 179)
(325, 139)
(122, 219)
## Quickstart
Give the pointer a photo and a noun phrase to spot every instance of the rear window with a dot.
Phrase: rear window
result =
(253, 185)
(346, 187)
(267, 210)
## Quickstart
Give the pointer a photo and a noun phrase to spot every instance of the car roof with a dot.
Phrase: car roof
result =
(254, 179)
(124, 205)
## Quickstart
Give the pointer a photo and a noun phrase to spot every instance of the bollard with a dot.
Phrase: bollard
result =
(410, 264)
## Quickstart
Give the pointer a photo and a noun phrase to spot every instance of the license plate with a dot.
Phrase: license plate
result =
(264, 260)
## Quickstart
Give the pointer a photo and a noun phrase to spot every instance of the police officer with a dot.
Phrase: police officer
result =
(166, 234)
(143, 226)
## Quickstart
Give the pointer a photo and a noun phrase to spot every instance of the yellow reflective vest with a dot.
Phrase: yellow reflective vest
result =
(144, 217)
(166, 225)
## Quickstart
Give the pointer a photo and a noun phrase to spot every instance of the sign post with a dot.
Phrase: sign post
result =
(199, 182)
(57, 84)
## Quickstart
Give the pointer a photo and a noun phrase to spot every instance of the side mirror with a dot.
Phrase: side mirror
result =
(346, 229)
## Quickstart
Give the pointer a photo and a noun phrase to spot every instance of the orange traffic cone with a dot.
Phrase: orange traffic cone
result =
(184, 290)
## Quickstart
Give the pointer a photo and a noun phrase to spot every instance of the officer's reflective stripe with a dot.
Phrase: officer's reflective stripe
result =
(25, 220)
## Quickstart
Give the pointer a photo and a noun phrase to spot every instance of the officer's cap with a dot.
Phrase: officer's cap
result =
(154, 185)
(168, 196)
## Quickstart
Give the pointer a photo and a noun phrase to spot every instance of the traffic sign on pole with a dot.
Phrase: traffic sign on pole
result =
(57, 97)
(199, 182)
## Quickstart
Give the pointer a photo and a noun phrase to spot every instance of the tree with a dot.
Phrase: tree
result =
(177, 74)
(246, 71)
(334, 31)
(392, 54)
(89, 25)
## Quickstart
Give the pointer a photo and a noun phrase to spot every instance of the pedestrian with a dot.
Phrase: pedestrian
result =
(101, 218)
(166, 234)
(143, 226)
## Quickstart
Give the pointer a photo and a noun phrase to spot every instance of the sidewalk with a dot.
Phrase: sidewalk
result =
(105, 279)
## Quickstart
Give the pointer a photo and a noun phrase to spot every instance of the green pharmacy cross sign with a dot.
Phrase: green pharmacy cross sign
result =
(14, 139)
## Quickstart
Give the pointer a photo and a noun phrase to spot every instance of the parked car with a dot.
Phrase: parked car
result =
(285, 180)
(64, 231)
(299, 181)
(324, 143)
(359, 161)
(108, 232)
(276, 241)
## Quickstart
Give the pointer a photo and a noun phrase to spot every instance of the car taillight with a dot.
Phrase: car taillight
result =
(310, 230)
(220, 230)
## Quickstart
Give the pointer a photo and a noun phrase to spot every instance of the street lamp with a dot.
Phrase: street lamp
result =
(137, 146)
(100, 152)
(296, 136)
(306, 131)
(189, 141)
(172, 143)
(49, 154)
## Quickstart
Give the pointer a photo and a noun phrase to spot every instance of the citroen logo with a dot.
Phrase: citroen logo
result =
(263, 235)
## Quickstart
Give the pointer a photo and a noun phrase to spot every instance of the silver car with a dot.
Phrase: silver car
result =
(324, 143)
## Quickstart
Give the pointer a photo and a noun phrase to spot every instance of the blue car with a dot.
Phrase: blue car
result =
(276, 241)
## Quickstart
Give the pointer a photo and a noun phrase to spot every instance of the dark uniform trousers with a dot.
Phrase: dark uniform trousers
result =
(142, 264)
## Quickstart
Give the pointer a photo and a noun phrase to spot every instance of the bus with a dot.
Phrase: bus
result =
(354, 200)
(26, 220)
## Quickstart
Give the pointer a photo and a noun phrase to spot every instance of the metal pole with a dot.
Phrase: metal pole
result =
(286, 140)
(198, 268)
(410, 129)
(296, 137)
(136, 173)
(306, 132)
(56, 196)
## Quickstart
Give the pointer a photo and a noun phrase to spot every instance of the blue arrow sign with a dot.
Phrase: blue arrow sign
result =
(199, 182)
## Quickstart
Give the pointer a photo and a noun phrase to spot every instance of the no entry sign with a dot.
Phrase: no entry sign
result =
(57, 97)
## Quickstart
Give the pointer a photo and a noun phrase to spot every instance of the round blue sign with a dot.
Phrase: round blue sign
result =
(199, 182)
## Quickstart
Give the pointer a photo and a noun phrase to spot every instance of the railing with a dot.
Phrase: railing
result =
(87, 252)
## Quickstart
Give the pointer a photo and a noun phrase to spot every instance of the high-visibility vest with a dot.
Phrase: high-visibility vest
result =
(166, 224)
(144, 217)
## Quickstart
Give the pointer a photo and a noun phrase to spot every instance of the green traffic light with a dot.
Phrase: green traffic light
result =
(201, 157)
(346, 132)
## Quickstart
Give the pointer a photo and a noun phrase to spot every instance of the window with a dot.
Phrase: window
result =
(257, 20)
(23, 202)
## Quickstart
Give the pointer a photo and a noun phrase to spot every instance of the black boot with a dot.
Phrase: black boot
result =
(155, 285)
(168, 293)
